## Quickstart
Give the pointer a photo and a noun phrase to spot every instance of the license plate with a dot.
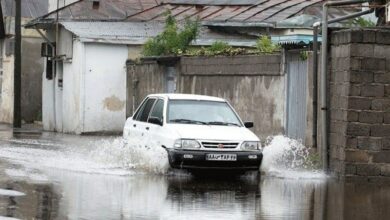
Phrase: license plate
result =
(221, 157)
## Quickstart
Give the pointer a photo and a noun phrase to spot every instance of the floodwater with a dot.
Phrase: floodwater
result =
(52, 176)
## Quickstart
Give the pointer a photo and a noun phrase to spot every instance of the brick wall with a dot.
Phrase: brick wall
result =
(360, 104)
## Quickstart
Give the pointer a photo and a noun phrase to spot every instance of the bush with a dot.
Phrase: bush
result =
(172, 41)
(217, 48)
(265, 45)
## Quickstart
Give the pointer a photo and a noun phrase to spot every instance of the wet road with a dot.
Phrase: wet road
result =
(69, 177)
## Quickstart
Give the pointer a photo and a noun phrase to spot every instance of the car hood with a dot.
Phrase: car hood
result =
(214, 132)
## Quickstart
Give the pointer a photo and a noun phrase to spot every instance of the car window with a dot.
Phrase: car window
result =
(158, 109)
(201, 112)
(137, 113)
(144, 114)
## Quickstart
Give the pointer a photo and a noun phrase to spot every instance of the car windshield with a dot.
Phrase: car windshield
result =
(201, 112)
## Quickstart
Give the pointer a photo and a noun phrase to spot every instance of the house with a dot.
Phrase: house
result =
(32, 65)
(84, 83)
(84, 79)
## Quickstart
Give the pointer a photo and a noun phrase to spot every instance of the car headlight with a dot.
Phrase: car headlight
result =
(186, 144)
(251, 145)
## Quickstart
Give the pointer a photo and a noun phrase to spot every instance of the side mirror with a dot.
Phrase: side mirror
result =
(249, 124)
(155, 120)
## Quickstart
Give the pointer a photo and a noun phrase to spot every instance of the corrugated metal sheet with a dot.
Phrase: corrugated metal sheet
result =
(269, 11)
(30, 8)
(137, 33)
(294, 39)
(296, 97)
(107, 10)
(301, 21)
(210, 12)
(228, 11)
(212, 2)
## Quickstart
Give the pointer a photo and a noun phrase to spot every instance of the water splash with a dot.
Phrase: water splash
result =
(288, 158)
(283, 157)
(140, 158)
(109, 156)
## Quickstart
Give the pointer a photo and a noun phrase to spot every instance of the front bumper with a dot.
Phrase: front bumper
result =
(245, 160)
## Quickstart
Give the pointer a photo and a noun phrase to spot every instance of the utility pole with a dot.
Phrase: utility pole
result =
(17, 66)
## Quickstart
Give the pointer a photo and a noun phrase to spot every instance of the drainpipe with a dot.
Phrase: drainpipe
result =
(323, 99)
(324, 65)
(315, 82)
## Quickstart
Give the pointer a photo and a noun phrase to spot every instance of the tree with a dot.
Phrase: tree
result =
(172, 41)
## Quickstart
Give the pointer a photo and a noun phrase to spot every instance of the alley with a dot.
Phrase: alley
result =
(57, 176)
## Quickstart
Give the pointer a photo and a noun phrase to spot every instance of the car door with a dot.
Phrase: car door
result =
(138, 124)
(130, 132)
(156, 132)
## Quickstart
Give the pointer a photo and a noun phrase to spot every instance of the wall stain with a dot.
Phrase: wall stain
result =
(113, 103)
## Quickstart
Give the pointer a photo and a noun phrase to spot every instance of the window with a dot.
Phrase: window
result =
(144, 114)
(136, 114)
(158, 109)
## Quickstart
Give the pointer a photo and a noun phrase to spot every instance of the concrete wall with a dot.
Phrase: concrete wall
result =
(254, 85)
(31, 82)
(72, 108)
(32, 68)
(143, 80)
(360, 104)
(7, 94)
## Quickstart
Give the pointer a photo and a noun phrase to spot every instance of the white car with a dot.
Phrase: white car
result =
(198, 132)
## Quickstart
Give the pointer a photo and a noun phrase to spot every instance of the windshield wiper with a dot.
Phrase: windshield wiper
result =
(222, 123)
(188, 121)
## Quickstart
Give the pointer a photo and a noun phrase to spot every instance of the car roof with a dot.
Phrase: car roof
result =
(178, 96)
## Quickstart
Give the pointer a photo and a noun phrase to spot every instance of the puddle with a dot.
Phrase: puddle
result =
(97, 178)
(9, 193)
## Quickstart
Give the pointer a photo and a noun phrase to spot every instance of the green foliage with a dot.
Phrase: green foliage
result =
(172, 41)
(360, 22)
(217, 48)
(303, 55)
(265, 45)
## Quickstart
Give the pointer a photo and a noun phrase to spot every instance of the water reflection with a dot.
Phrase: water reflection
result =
(155, 197)
(289, 199)
(70, 195)
(39, 203)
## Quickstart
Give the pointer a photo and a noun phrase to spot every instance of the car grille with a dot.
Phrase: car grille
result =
(226, 145)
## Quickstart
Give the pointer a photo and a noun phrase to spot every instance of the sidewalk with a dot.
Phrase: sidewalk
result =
(26, 128)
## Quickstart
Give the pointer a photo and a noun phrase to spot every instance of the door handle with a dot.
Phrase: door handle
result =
(134, 125)
(147, 128)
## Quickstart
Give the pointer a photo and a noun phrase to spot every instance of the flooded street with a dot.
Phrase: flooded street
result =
(53, 176)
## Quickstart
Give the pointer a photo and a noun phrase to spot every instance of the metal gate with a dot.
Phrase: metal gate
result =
(296, 96)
